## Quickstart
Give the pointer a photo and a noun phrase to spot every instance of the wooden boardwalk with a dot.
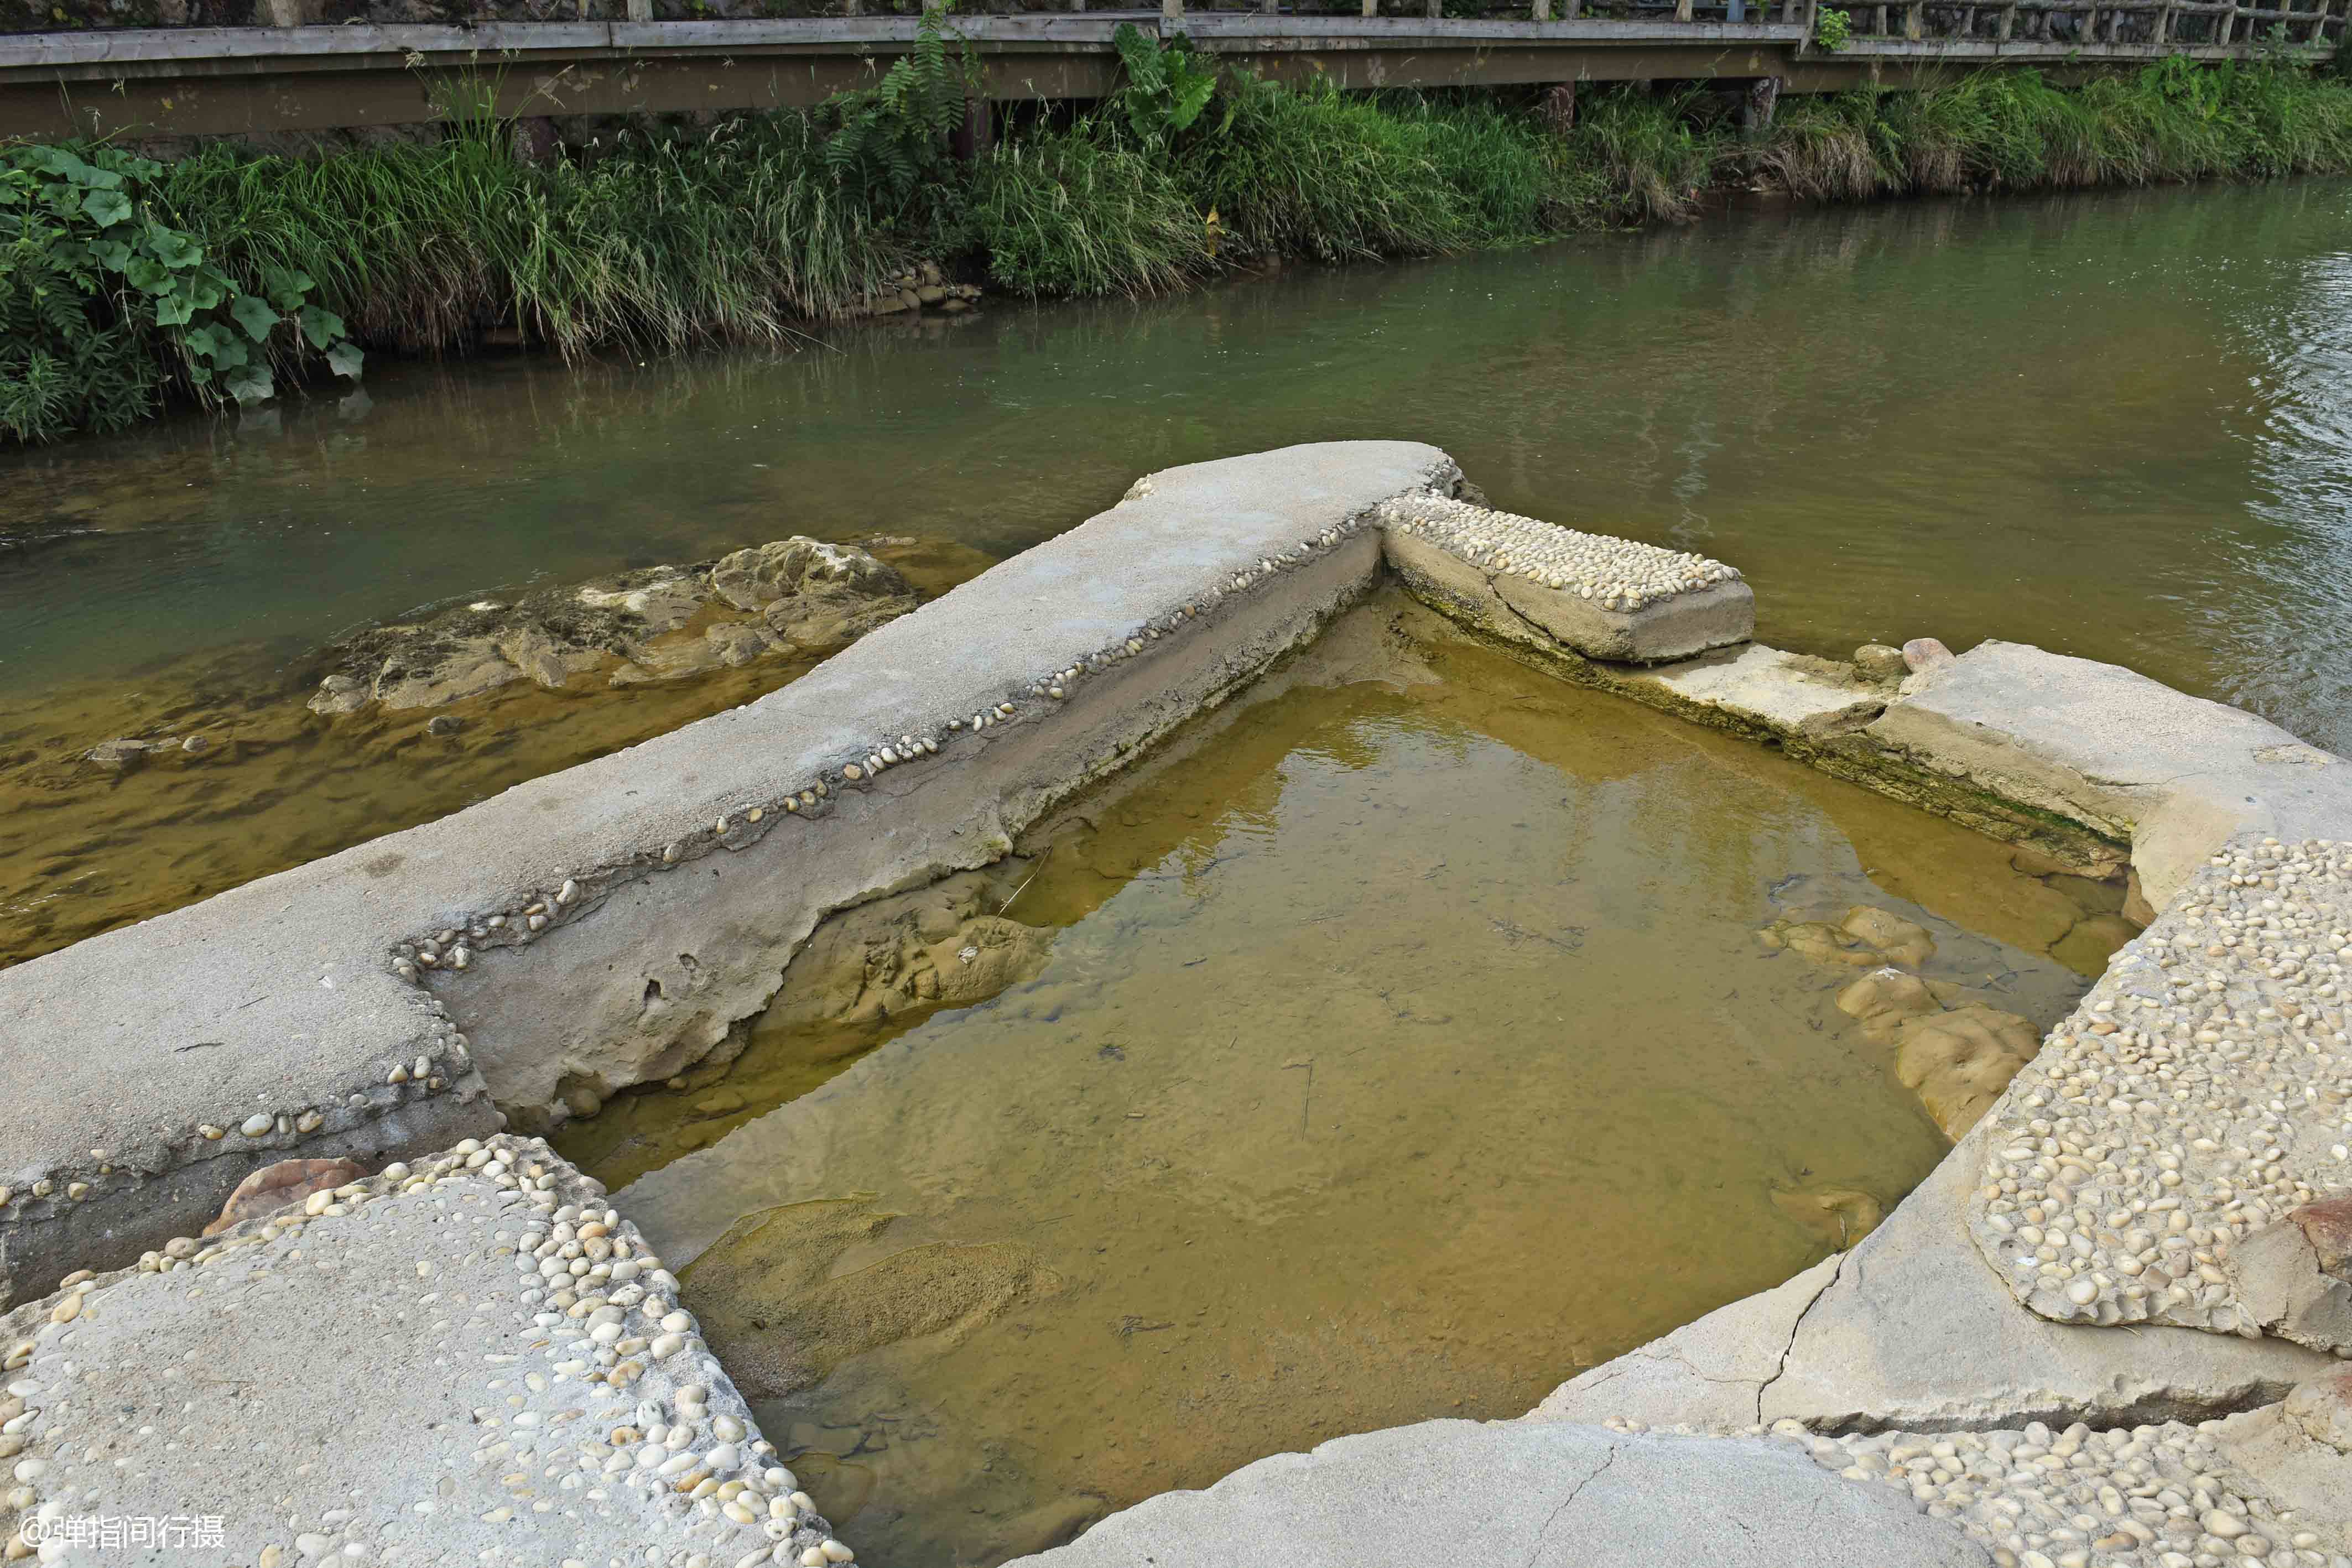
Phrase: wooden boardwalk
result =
(212, 81)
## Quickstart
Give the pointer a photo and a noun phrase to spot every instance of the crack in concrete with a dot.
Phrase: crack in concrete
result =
(1794, 1329)
(1607, 1460)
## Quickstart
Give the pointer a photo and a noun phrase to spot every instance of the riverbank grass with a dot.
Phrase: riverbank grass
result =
(658, 237)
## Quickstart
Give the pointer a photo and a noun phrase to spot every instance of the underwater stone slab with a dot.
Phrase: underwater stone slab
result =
(1561, 1496)
(1760, 689)
(1530, 580)
(2129, 758)
(608, 925)
(2199, 1093)
(392, 1379)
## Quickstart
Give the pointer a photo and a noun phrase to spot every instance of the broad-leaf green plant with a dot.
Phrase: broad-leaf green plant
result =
(1167, 86)
(93, 279)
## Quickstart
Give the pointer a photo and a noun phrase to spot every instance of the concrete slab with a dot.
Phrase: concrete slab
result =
(1536, 1496)
(2299, 1451)
(609, 923)
(2171, 774)
(396, 1378)
(1760, 691)
(1556, 588)
(1911, 1330)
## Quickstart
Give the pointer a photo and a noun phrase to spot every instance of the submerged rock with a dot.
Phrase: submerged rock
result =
(768, 1296)
(1883, 1000)
(1839, 1216)
(934, 948)
(1867, 936)
(1904, 941)
(796, 595)
(1959, 1062)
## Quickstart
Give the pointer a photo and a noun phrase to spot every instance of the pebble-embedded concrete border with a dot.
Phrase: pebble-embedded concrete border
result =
(2203, 1092)
(584, 929)
(474, 1360)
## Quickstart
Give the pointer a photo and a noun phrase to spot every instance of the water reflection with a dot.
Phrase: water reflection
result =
(2114, 424)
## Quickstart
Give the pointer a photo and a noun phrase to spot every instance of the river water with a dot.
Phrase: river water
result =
(2116, 424)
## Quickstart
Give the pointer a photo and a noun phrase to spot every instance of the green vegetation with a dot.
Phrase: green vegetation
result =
(101, 298)
(123, 279)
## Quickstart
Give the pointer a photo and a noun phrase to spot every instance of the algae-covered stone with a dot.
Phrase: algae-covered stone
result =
(753, 578)
(661, 624)
(935, 946)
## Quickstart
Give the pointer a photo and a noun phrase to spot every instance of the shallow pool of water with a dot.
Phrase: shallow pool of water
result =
(1404, 1046)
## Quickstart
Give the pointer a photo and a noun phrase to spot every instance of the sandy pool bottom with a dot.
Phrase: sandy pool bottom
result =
(1404, 1046)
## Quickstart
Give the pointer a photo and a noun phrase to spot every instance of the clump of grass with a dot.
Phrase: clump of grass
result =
(735, 235)
(1651, 151)
(1067, 212)
(2013, 131)
(1823, 150)
(1313, 173)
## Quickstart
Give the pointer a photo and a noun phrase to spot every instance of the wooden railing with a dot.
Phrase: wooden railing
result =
(295, 75)
(2094, 24)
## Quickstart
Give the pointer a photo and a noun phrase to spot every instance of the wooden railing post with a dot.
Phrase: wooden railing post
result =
(2007, 22)
(2163, 33)
(1682, 10)
(1171, 14)
(1436, 9)
(1371, 7)
(1915, 20)
(2226, 24)
(1543, 10)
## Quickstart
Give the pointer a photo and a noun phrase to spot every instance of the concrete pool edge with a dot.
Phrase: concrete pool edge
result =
(374, 1003)
(425, 1050)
